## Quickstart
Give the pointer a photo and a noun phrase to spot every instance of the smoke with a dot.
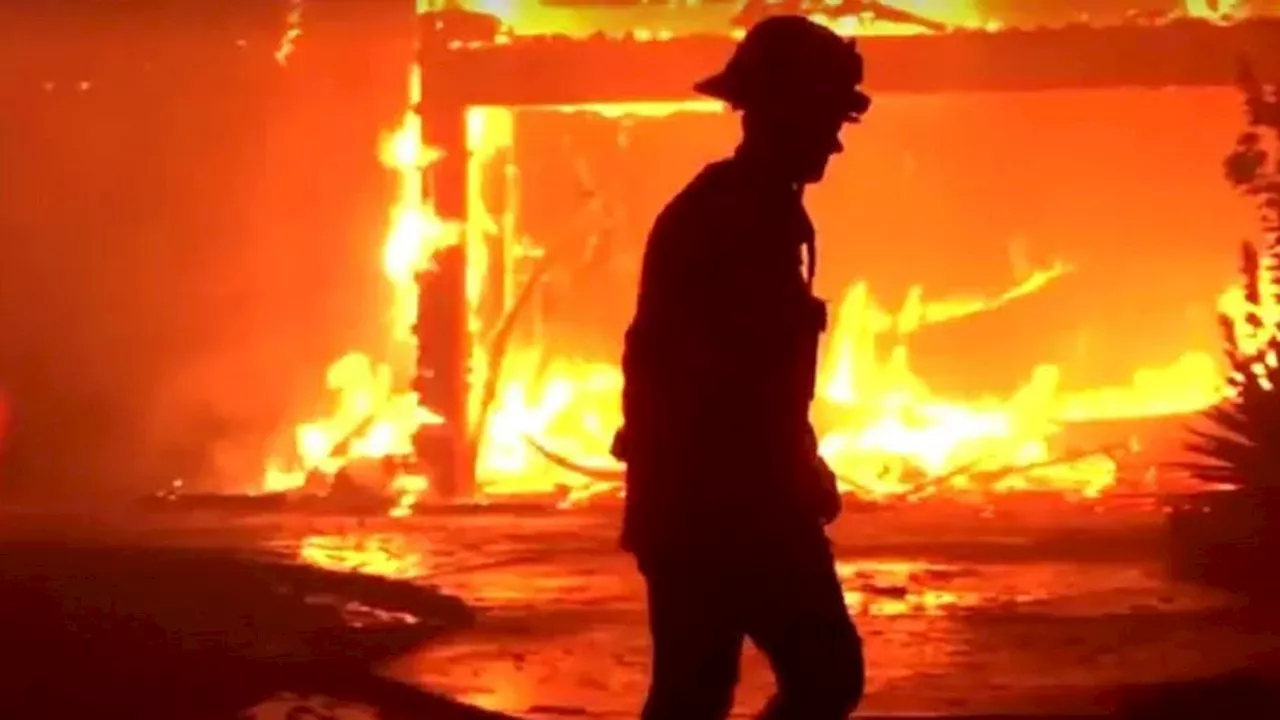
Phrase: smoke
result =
(189, 233)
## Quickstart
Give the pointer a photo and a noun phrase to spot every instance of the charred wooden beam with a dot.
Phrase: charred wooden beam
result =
(444, 350)
(562, 71)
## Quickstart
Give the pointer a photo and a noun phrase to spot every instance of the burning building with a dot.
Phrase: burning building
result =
(1025, 246)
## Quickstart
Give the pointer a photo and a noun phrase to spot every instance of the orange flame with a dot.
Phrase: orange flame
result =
(884, 431)
(373, 416)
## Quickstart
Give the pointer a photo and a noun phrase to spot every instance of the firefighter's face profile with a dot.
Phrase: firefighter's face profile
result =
(810, 139)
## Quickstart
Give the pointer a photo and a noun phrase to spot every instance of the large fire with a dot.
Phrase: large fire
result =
(883, 430)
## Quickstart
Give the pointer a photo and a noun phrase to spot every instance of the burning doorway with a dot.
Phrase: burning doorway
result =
(531, 414)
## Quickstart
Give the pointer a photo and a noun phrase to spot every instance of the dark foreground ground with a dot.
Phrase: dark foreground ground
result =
(1029, 611)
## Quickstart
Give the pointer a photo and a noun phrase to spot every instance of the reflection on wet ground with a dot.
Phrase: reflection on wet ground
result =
(389, 555)
(562, 628)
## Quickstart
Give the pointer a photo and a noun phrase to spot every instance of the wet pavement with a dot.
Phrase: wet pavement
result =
(959, 614)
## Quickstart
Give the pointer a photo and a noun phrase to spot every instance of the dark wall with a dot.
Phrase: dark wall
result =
(189, 231)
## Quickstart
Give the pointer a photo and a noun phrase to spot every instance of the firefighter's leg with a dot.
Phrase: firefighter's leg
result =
(801, 624)
(696, 646)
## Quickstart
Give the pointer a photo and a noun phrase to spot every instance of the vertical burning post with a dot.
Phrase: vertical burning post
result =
(442, 327)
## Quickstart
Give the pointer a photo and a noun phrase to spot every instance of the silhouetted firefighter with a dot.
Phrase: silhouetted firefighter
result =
(727, 496)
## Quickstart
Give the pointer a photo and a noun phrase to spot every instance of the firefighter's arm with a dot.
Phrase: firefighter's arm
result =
(824, 483)
(666, 348)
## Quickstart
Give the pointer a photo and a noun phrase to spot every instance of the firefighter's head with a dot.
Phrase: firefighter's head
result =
(796, 84)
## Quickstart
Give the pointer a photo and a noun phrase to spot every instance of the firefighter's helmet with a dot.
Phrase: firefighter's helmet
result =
(791, 61)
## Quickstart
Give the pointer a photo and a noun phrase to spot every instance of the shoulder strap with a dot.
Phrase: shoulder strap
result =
(810, 260)
(810, 242)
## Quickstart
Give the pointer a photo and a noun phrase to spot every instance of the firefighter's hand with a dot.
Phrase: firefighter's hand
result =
(828, 492)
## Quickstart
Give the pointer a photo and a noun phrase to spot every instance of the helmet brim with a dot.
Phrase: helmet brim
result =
(721, 87)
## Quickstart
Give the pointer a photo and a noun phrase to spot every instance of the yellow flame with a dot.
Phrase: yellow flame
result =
(1215, 10)
(884, 431)
(374, 416)
(663, 21)
(882, 428)
(292, 31)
